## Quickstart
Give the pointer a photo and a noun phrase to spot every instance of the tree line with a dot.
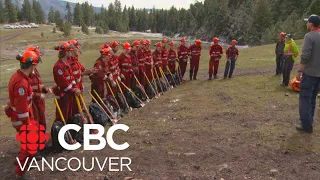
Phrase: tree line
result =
(249, 21)
(11, 13)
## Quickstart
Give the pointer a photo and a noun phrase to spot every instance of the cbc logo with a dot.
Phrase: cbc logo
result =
(32, 137)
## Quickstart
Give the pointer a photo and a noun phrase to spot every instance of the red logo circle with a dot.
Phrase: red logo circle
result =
(32, 137)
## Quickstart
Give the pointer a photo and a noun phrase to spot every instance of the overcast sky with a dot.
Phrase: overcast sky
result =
(166, 4)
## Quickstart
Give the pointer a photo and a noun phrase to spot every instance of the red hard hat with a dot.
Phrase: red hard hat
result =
(171, 43)
(198, 42)
(295, 84)
(114, 44)
(234, 42)
(105, 51)
(75, 43)
(135, 43)
(105, 45)
(183, 39)
(35, 49)
(164, 40)
(30, 57)
(65, 46)
(158, 44)
(126, 45)
(215, 39)
(282, 34)
(143, 42)
(148, 42)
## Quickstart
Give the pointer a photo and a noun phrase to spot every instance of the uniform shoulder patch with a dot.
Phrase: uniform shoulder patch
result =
(60, 72)
(21, 91)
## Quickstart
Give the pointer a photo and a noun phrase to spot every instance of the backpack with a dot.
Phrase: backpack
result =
(77, 119)
(55, 129)
(150, 91)
(122, 103)
(132, 100)
(113, 103)
(98, 116)
(140, 93)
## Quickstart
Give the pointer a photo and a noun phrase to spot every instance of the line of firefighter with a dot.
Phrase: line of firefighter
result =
(26, 91)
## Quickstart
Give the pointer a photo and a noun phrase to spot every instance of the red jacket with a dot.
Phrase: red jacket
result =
(63, 78)
(164, 55)
(142, 59)
(157, 58)
(183, 52)
(125, 65)
(113, 68)
(215, 52)
(77, 69)
(134, 61)
(99, 78)
(20, 95)
(232, 52)
(38, 88)
(172, 56)
(149, 61)
(195, 51)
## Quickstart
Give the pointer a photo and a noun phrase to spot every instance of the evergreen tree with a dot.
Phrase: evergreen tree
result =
(51, 15)
(69, 13)
(57, 16)
(28, 13)
(125, 19)
(39, 13)
(10, 11)
(2, 15)
(77, 15)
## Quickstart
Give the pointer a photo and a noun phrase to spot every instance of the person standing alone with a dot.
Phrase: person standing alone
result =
(291, 52)
(309, 69)
(279, 53)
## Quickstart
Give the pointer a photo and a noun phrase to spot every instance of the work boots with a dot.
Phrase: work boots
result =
(190, 75)
(195, 76)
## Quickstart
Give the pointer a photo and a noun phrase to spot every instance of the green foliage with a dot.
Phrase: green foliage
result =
(77, 15)
(11, 14)
(98, 30)
(84, 28)
(51, 15)
(67, 29)
(2, 12)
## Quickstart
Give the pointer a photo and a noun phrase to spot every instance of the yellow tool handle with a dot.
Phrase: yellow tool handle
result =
(59, 110)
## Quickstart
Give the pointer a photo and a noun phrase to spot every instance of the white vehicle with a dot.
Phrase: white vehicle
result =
(7, 26)
(33, 25)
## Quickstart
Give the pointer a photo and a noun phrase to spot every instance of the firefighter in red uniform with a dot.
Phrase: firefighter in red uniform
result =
(215, 56)
(20, 107)
(157, 57)
(125, 65)
(102, 75)
(66, 87)
(114, 45)
(135, 61)
(39, 91)
(183, 53)
(164, 54)
(195, 53)
(149, 61)
(232, 56)
(78, 70)
(142, 58)
(172, 58)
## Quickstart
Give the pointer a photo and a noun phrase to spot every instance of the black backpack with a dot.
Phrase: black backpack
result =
(150, 91)
(98, 116)
(122, 103)
(140, 93)
(132, 100)
(113, 103)
(77, 119)
(55, 129)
